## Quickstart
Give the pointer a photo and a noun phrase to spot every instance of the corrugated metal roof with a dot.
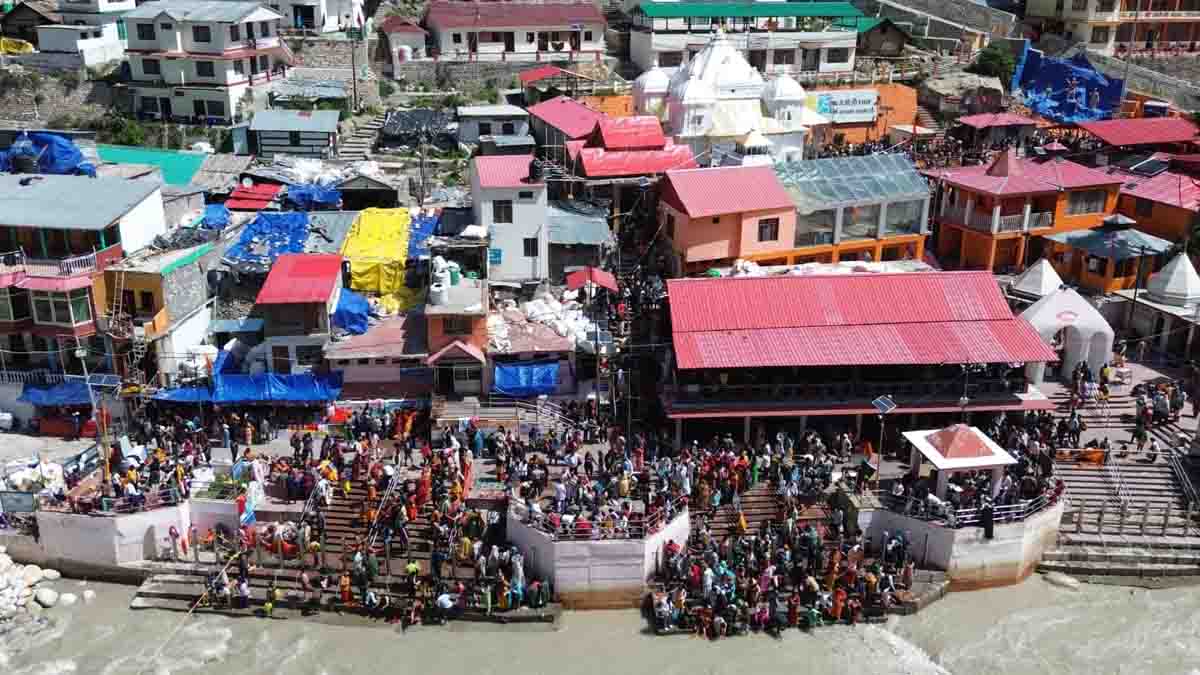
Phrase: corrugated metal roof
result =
(735, 189)
(600, 163)
(504, 171)
(1008, 175)
(335, 224)
(445, 14)
(748, 9)
(569, 224)
(236, 325)
(532, 75)
(321, 121)
(643, 132)
(399, 24)
(1001, 119)
(1142, 130)
(198, 10)
(402, 335)
(69, 202)
(868, 319)
(491, 111)
(1168, 187)
(569, 116)
(298, 278)
(1116, 244)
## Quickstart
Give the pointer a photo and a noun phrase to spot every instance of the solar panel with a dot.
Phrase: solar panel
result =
(1150, 167)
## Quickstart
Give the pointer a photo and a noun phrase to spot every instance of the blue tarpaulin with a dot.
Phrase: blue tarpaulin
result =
(56, 154)
(526, 379)
(270, 235)
(184, 395)
(1065, 90)
(216, 217)
(226, 363)
(419, 231)
(313, 197)
(70, 392)
(274, 388)
(351, 313)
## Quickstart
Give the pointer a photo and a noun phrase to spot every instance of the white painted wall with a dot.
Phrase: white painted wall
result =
(677, 530)
(207, 513)
(143, 223)
(117, 540)
(529, 221)
(523, 47)
(191, 332)
(182, 100)
(469, 132)
(9, 393)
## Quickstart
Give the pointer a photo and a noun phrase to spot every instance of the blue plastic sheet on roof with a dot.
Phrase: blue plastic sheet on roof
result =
(70, 392)
(352, 312)
(184, 395)
(313, 197)
(55, 154)
(270, 235)
(526, 379)
(274, 388)
(226, 363)
(216, 217)
(1064, 90)
(419, 231)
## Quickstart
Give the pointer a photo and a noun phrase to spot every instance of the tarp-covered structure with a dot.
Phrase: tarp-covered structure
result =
(216, 217)
(377, 250)
(352, 312)
(66, 393)
(526, 379)
(260, 389)
(1085, 334)
(1065, 90)
(268, 236)
(44, 152)
(312, 197)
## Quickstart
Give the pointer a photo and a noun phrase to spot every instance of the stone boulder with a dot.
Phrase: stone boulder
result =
(46, 597)
(5, 563)
(51, 575)
(89, 595)
(67, 599)
(32, 574)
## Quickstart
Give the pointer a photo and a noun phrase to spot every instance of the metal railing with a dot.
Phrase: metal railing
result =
(158, 498)
(922, 510)
(639, 528)
(848, 391)
(37, 376)
(1112, 472)
(1181, 475)
(19, 261)
(973, 219)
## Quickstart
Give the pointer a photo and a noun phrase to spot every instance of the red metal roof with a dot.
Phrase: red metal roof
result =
(396, 337)
(399, 24)
(301, 278)
(444, 14)
(643, 132)
(600, 163)
(1170, 188)
(254, 198)
(1008, 175)
(578, 278)
(863, 319)
(569, 116)
(532, 75)
(504, 171)
(458, 349)
(734, 189)
(56, 284)
(959, 441)
(1002, 119)
(1142, 130)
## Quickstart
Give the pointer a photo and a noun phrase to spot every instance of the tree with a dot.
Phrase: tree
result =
(995, 60)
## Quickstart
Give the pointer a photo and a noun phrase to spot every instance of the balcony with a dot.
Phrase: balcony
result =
(268, 42)
(17, 262)
(986, 222)
(1159, 15)
(829, 394)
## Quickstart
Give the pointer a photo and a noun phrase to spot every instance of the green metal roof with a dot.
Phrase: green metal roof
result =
(861, 24)
(673, 10)
(177, 167)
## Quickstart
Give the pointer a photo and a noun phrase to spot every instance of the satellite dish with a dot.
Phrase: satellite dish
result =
(247, 183)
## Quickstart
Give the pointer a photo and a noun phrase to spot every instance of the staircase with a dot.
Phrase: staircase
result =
(926, 119)
(759, 504)
(358, 146)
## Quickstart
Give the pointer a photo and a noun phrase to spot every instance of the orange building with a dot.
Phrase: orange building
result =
(457, 336)
(992, 216)
(1161, 195)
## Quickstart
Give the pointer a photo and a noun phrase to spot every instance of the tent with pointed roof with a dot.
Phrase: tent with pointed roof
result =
(1177, 283)
(1070, 323)
(1037, 281)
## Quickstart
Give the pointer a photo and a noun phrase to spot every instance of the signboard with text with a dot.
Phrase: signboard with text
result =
(850, 105)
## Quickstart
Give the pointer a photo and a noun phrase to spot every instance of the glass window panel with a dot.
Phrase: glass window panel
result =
(81, 306)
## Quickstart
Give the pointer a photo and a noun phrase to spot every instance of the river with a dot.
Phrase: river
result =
(1031, 628)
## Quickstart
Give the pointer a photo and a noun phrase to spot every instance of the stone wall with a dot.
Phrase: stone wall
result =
(89, 98)
(333, 53)
(460, 74)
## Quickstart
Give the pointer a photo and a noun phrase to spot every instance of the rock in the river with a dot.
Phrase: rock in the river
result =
(5, 563)
(67, 599)
(32, 574)
(89, 595)
(51, 575)
(1062, 580)
(3, 550)
(46, 597)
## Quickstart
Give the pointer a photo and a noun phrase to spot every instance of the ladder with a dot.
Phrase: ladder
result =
(138, 348)
(117, 324)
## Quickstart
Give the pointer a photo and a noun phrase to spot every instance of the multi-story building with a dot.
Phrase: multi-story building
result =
(571, 30)
(320, 16)
(511, 204)
(97, 13)
(296, 302)
(59, 234)
(1121, 26)
(198, 60)
(802, 39)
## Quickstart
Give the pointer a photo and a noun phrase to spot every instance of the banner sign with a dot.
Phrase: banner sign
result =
(18, 502)
(852, 105)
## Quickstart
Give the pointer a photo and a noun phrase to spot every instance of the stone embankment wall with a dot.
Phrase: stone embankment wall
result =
(86, 99)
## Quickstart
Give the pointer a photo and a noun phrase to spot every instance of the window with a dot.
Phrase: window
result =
(201, 34)
(785, 57)
(58, 308)
(1079, 5)
(293, 138)
(525, 194)
(456, 325)
(502, 211)
(530, 244)
(587, 36)
(166, 26)
(239, 67)
(250, 31)
(147, 302)
(716, 220)
(149, 104)
(216, 108)
(198, 109)
(1143, 208)
(264, 28)
(530, 37)
(205, 69)
(670, 59)
(903, 218)
(837, 55)
(145, 31)
(235, 33)
(485, 128)
(14, 304)
(456, 38)
(264, 63)
(554, 36)
(508, 129)
(860, 222)
(1106, 6)
(308, 355)
(768, 229)
(1099, 35)
(1085, 201)
(151, 67)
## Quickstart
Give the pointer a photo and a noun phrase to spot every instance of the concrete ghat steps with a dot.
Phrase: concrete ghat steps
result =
(1119, 569)
(1129, 555)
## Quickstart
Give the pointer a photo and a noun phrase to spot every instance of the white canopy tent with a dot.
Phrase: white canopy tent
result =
(1085, 334)
(1176, 283)
(1037, 281)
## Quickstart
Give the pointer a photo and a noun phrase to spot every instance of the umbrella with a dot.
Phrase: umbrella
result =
(1119, 219)
(595, 275)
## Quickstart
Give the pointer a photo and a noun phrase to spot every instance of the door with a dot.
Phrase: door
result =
(281, 360)
(472, 42)
(758, 59)
(127, 300)
(510, 42)
(164, 106)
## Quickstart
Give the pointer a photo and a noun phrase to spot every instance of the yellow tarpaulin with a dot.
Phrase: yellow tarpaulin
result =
(15, 46)
(377, 248)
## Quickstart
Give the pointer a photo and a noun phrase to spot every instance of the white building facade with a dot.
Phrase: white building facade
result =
(516, 31)
(320, 16)
(198, 59)
(513, 211)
